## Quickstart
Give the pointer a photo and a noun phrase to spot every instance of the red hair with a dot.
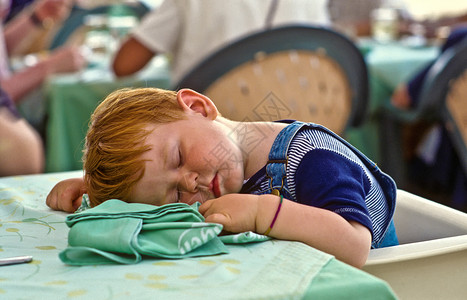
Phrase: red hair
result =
(116, 137)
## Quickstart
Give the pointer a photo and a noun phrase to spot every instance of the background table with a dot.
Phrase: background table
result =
(71, 101)
(267, 270)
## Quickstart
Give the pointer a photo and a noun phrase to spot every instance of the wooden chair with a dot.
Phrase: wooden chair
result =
(305, 73)
(447, 89)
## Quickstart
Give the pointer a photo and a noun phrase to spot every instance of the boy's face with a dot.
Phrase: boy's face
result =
(191, 160)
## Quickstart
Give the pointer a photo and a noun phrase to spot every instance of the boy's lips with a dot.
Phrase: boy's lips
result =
(214, 187)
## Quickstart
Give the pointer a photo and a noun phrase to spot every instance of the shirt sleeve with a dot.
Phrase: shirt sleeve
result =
(328, 180)
(159, 30)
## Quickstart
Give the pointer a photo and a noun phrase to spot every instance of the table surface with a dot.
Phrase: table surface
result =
(272, 269)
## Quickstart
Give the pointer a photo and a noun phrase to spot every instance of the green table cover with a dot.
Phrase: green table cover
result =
(271, 269)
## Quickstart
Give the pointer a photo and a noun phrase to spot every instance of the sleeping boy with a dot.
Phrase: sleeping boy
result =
(289, 180)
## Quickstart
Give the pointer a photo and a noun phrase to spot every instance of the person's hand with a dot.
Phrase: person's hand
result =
(236, 212)
(66, 195)
(400, 97)
(65, 60)
(53, 10)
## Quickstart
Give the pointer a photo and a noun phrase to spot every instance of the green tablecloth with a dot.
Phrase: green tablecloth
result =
(71, 101)
(267, 270)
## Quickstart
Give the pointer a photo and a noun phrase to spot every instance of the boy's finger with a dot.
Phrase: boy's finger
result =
(203, 208)
(66, 206)
(77, 203)
(51, 200)
(219, 218)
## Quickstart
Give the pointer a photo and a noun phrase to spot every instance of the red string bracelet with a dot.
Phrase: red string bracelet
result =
(275, 216)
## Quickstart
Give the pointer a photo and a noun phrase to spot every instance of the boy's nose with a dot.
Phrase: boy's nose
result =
(191, 192)
(189, 182)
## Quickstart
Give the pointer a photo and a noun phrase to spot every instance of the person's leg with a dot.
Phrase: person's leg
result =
(21, 149)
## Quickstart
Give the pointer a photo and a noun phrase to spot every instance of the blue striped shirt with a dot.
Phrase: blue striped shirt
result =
(325, 173)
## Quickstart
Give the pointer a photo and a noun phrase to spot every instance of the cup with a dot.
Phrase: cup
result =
(385, 24)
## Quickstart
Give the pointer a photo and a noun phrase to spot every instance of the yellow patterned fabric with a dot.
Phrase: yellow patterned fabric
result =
(271, 269)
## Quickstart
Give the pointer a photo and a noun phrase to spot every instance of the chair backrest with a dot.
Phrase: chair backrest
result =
(444, 95)
(305, 73)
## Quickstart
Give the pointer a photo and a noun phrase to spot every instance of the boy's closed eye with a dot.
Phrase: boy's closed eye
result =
(178, 197)
(177, 163)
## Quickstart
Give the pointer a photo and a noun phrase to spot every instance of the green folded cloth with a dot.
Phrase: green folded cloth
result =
(116, 231)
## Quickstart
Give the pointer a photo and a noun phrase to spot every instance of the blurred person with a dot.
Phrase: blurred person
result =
(40, 41)
(16, 6)
(407, 94)
(19, 31)
(354, 18)
(21, 150)
(190, 30)
(433, 163)
(446, 24)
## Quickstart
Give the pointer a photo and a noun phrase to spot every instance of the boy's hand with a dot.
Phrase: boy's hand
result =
(66, 195)
(236, 212)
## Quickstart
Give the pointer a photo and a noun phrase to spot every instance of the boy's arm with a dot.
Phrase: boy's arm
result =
(349, 242)
(67, 195)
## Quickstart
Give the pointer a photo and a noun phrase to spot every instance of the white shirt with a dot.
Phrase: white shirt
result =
(4, 66)
(190, 30)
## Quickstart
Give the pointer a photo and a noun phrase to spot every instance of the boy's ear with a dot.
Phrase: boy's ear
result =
(196, 102)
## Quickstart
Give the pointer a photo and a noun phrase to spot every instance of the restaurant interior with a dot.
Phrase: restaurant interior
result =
(388, 78)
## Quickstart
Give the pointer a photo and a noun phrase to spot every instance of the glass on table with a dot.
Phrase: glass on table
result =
(99, 44)
(385, 24)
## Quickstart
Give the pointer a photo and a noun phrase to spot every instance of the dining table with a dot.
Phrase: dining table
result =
(37, 236)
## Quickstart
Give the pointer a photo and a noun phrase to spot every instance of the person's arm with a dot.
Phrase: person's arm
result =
(63, 60)
(21, 150)
(29, 23)
(131, 57)
(20, 32)
(349, 242)
(67, 195)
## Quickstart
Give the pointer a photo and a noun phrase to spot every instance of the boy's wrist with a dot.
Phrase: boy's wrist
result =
(268, 206)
